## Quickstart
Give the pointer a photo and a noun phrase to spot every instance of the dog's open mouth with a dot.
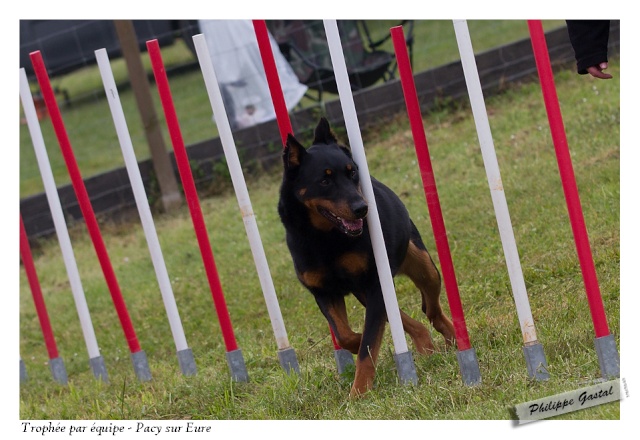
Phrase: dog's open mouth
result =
(349, 227)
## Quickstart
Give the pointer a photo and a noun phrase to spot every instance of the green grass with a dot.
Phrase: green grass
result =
(538, 213)
(93, 137)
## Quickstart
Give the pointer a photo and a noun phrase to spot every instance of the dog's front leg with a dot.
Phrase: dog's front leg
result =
(335, 311)
(375, 319)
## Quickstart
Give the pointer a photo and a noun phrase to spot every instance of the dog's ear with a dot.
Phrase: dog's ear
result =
(293, 153)
(324, 134)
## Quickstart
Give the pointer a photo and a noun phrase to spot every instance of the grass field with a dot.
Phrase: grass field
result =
(591, 111)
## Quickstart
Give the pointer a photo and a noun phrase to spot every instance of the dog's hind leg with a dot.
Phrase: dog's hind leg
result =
(419, 334)
(419, 267)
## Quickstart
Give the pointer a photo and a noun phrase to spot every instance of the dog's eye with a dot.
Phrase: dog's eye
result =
(353, 174)
(326, 179)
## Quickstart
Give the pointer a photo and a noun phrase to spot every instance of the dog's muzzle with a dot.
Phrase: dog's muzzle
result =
(349, 227)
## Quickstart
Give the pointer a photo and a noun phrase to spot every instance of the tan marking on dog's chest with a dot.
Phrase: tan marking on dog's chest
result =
(354, 262)
(312, 278)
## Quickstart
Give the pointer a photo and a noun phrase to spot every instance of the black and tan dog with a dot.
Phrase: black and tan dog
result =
(324, 214)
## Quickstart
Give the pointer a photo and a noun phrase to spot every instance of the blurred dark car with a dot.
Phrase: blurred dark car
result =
(67, 45)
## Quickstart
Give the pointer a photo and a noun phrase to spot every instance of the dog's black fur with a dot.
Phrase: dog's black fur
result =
(324, 214)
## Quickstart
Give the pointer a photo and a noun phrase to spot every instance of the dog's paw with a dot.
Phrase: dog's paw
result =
(357, 393)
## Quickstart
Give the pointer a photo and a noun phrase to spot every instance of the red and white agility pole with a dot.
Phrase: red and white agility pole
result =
(56, 364)
(235, 359)
(184, 353)
(286, 354)
(138, 356)
(343, 357)
(534, 354)
(608, 356)
(96, 361)
(467, 358)
(403, 357)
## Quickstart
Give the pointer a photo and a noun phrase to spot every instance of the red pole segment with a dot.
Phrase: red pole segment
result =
(275, 88)
(429, 184)
(269, 63)
(36, 292)
(191, 194)
(336, 346)
(567, 176)
(83, 200)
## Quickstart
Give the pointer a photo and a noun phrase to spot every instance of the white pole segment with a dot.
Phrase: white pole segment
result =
(141, 199)
(357, 149)
(495, 182)
(242, 194)
(58, 217)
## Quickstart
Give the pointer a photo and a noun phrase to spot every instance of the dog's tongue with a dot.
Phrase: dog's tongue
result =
(352, 225)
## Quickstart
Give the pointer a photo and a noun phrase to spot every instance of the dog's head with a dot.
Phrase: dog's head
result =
(325, 180)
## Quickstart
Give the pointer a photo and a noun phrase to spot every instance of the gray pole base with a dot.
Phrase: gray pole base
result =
(58, 370)
(288, 360)
(237, 366)
(99, 369)
(343, 358)
(406, 368)
(536, 361)
(23, 372)
(608, 356)
(187, 362)
(469, 369)
(141, 366)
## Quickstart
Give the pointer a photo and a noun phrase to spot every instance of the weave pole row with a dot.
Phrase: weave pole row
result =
(608, 356)
(138, 356)
(533, 351)
(184, 353)
(56, 364)
(605, 344)
(235, 359)
(467, 358)
(343, 357)
(286, 353)
(96, 361)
